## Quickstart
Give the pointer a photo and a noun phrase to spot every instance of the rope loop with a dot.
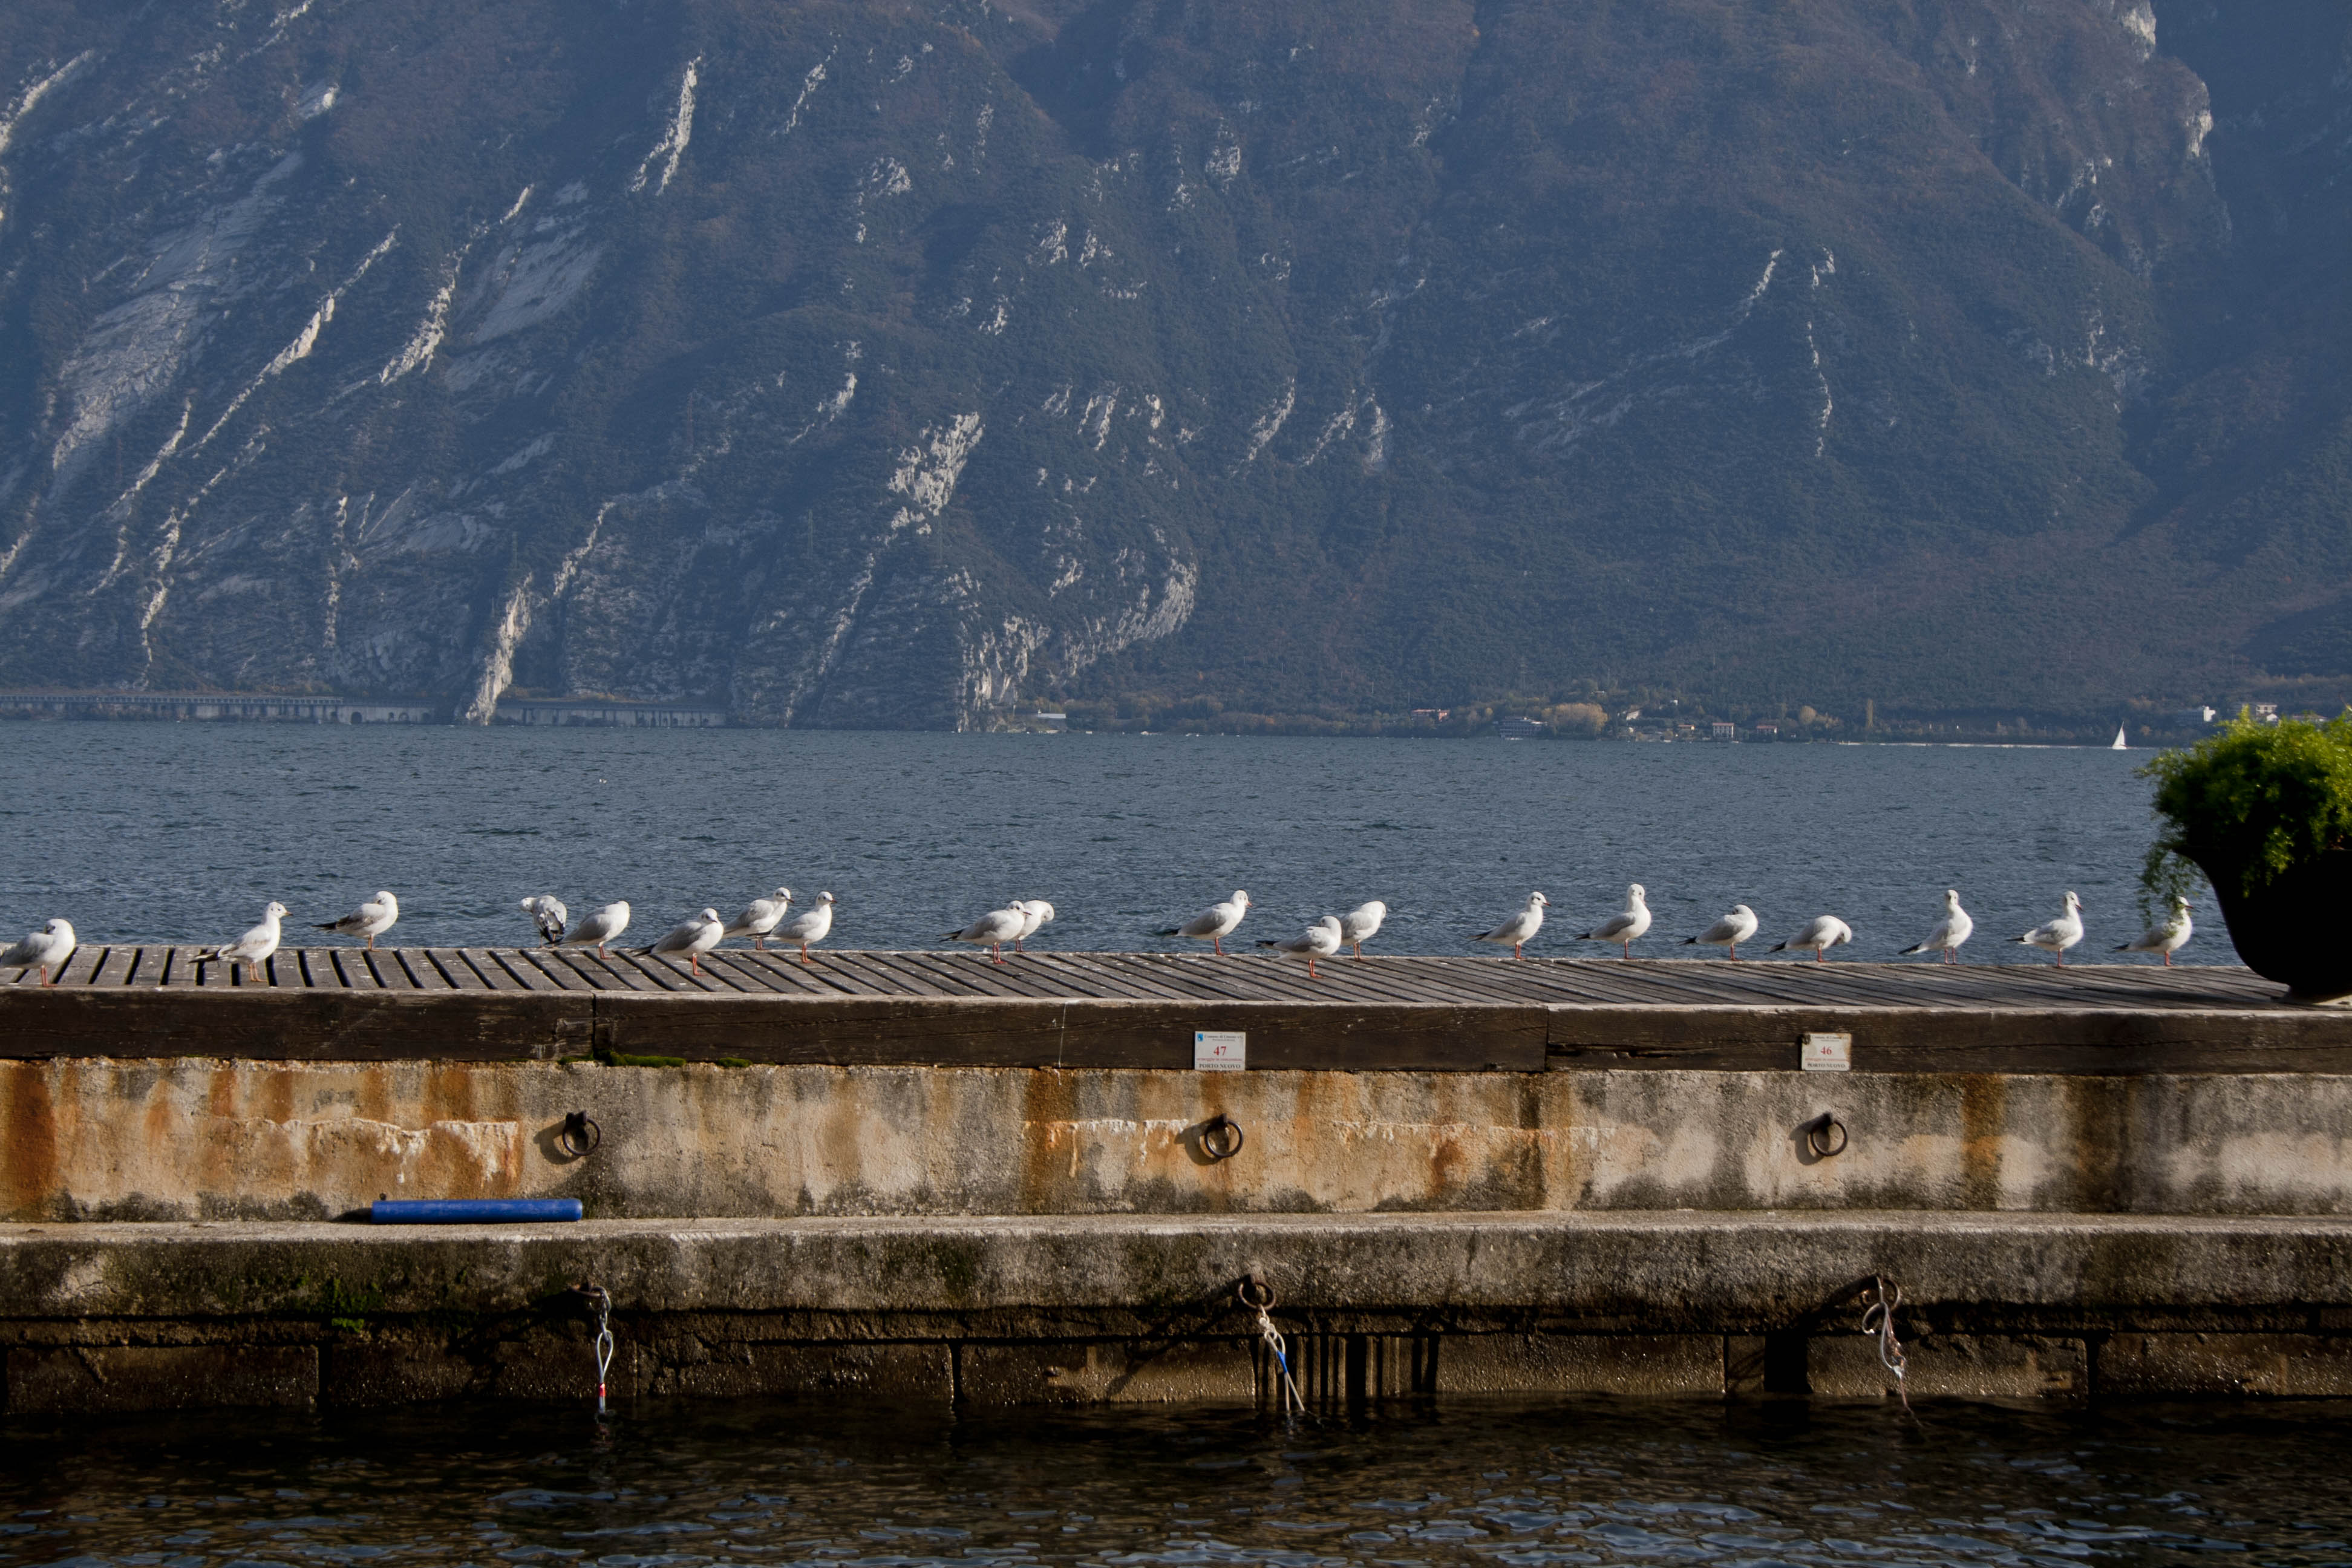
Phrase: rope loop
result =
(1878, 1318)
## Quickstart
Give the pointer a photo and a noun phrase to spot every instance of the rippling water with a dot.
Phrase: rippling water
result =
(1513, 1484)
(180, 832)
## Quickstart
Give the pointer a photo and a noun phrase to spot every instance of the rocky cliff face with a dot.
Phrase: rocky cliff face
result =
(869, 365)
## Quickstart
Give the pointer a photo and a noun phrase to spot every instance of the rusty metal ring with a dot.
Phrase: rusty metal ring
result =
(1817, 1136)
(1221, 1137)
(1262, 1300)
(578, 1135)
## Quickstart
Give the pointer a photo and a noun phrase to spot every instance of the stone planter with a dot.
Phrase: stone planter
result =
(2293, 931)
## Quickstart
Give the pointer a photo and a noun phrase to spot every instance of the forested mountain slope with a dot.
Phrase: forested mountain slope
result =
(854, 362)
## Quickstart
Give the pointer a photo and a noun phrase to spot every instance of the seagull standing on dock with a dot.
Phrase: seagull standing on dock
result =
(1215, 923)
(46, 949)
(254, 946)
(1625, 929)
(2056, 936)
(993, 929)
(605, 926)
(1729, 932)
(371, 919)
(1038, 912)
(1360, 924)
(693, 936)
(1520, 929)
(1949, 933)
(760, 917)
(2167, 939)
(547, 913)
(1320, 940)
(1821, 933)
(815, 925)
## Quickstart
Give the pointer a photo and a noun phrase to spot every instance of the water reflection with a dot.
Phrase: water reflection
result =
(1517, 1484)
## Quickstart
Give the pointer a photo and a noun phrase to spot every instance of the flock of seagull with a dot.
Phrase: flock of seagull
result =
(763, 919)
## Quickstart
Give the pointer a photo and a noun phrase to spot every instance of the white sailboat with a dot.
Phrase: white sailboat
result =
(2119, 745)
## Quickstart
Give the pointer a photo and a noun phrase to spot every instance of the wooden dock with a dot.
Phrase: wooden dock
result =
(1140, 1010)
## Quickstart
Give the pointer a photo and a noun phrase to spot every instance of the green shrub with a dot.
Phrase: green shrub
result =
(2251, 801)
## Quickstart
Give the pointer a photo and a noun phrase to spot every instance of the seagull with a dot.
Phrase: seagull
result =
(254, 946)
(547, 911)
(1320, 940)
(810, 927)
(371, 919)
(693, 936)
(1729, 932)
(2056, 936)
(993, 929)
(2167, 939)
(1949, 933)
(1039, 913)
(1215, 923)
(46, 949)
(760, 917)
(1360, 924)
(1520, 929)
(1625, 929)
(605, 926)
(1820, 932)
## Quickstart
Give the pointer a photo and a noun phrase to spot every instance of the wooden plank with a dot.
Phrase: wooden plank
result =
(453, 968)
(1009, 1032)
(551, 975)
(421, 972)
(787, 975)
(283, 1023)
(114, 966)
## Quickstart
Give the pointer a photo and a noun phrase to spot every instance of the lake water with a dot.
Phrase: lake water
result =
(1515, 1484)
(181, 832)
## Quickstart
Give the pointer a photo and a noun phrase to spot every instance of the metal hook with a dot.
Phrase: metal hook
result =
(1818, 1138)
(1221, 1137)
(578, 1135)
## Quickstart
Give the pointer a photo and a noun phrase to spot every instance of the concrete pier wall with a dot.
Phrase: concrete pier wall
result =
(187, 1139)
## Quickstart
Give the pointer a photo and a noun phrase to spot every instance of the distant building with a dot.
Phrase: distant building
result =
(1724, 729)
(1518, 729)
(606, 712)
(1767, 731)
(2265, 712)
(1438, 714)
(219, 705)
(1041, 720)
(2190, 717)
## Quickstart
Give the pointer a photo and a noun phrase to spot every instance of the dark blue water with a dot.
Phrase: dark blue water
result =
(181, 832)
(1522, 1485)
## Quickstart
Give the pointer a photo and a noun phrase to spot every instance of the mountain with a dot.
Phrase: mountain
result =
(854, 362)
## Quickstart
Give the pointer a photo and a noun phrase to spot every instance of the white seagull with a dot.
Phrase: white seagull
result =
(1820, 932)
(693, 936)
(605, 926)
(813, 925)
(254, 946)
(2167, 939)
(1320, 940)
(1729, 932)
(1360, 924)
(993, 929)
(1215, 923)
(1039, 913)
(2056, 936)
(547, 913)
(1949, 933)
(1520, 929)
(1625, 929)
(760, 917)
(46, 949)
(371, 919)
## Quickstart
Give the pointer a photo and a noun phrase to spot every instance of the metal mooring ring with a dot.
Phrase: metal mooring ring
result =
(1221, 1137)
(1817, 1136)
(1255, 1281)
(579, 1136)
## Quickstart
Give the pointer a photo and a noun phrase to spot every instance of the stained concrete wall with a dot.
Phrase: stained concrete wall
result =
(190, 1139)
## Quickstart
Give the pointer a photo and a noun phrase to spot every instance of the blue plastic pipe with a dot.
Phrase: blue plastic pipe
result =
(470, 1211)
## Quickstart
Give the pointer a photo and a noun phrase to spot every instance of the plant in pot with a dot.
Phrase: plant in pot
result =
(2264, 812)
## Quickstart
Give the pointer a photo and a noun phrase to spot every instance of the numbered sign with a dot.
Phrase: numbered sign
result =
(1828, 1053)
(1220, 1051)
